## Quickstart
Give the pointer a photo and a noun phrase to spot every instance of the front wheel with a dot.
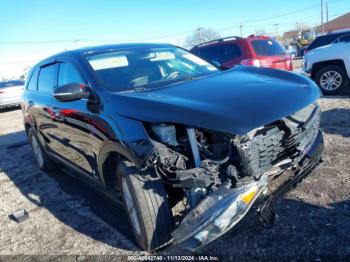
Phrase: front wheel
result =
(331, 79)
(146, 203)
(42, 158)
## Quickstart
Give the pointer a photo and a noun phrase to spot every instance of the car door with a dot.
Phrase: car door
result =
(40, 104)
(73, 120)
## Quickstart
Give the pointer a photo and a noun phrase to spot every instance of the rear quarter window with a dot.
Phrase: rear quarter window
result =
(220, 53)
(267, 47)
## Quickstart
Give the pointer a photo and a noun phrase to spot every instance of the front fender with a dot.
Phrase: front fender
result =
(121, 149)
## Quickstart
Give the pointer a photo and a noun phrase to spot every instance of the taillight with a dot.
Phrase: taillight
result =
(251, 62)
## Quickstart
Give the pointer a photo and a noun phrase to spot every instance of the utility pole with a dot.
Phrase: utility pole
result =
(199, 29)
(240, 29)
(322, 25)
(276, 30)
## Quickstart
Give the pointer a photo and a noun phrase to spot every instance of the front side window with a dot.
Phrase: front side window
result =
(47, 78)
(267, 47)
(147, 67)
(68, 74)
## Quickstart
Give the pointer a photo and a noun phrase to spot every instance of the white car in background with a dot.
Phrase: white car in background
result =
(11, 93)
(329, 66)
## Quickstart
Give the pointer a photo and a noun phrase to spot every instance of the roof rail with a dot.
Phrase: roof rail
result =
(228, 38)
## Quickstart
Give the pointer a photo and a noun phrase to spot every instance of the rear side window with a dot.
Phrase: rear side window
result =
(68, 74)
(32, 84)
(47, 78)
(267, 47)
(220, 53)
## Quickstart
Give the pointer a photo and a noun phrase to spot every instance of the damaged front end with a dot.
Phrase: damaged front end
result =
(222, 175)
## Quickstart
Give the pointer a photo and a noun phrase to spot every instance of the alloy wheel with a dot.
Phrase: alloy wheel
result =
(331, 80)
(37, 151)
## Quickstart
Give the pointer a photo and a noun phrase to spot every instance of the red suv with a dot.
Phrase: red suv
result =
(260, 51)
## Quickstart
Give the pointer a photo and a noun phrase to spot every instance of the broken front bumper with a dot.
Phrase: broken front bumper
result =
(217, 214)
(223, 209)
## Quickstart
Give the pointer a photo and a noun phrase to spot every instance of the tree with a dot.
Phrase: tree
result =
(201, 35)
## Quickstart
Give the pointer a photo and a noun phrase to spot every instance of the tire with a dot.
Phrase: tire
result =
(41, 157)
(331, 79)
(147, 206)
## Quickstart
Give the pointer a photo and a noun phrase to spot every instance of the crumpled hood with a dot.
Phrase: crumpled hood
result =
(234, 101)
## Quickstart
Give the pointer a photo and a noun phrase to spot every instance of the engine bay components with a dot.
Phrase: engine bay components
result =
(166, 134)
(222, 175)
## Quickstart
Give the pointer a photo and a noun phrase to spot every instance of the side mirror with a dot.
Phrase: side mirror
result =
(71, 92)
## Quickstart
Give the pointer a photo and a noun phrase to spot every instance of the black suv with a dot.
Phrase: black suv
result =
(328, 39)
(155, 125)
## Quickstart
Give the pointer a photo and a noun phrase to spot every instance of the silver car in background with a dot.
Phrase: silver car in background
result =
(11, 93)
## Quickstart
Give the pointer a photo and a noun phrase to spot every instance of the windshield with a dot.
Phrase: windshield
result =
(268, 47)
(142, 68)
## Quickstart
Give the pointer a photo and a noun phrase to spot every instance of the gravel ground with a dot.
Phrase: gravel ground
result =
(68, 217)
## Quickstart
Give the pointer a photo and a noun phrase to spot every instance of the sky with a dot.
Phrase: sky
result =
(31, 30)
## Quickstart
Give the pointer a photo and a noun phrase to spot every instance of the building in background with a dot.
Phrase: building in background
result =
(341, 23)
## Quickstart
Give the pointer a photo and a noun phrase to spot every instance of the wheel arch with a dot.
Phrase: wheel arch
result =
(110, 154)
(319, 65)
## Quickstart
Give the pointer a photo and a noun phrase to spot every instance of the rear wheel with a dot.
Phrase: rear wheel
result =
(42, 158)
(331, 79)
(146, 203)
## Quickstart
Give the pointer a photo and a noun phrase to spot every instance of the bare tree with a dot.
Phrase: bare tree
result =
(201, 35)
(260, 32)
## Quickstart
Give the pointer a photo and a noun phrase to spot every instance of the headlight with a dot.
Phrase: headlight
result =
(211, 221)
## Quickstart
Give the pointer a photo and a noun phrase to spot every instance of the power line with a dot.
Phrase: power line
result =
(93, 40)
(154, 38)
(163, 36)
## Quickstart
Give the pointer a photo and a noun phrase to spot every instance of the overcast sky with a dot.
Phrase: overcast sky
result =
(32, 30)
